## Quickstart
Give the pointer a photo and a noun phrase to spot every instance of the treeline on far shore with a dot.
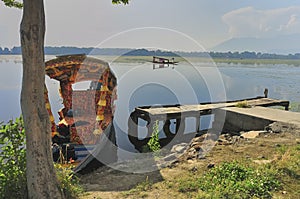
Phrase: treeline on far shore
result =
(145, 52)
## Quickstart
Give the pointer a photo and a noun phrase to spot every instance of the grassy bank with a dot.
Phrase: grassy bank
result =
(237, 179)
(258, 61)
(264, 167)
(143, 59)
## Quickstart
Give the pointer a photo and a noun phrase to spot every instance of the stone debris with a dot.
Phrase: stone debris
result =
(228, 139)
(179, 148)
(194, 169)
(278, 127)
(202, 144)
(211, 165)
(252, 134)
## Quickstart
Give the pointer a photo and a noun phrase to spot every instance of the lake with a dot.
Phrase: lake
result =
(142, 83)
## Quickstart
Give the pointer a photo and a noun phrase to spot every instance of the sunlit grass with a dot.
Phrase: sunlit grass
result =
(237, 179)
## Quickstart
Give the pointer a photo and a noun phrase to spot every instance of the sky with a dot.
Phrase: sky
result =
(190, 25)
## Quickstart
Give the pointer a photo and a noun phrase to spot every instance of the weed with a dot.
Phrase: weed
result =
(243, 104)
(153, 143)
(69, 183)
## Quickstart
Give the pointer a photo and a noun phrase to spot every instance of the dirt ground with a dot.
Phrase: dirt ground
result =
(108, 183)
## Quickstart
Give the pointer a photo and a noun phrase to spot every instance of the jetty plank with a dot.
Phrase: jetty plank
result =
(206, 108)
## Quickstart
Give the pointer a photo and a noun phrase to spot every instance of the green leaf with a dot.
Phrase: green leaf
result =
(13, 3)
(120, 1)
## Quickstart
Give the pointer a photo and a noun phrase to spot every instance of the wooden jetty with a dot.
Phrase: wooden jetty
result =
(179, 113)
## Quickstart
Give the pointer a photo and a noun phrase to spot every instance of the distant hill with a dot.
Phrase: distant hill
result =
(93, 51)
(228, 54)
(284, 44)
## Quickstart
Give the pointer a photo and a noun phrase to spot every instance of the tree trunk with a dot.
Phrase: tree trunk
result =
(41, 176)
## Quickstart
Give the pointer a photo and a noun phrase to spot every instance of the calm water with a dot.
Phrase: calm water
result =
(144, 84)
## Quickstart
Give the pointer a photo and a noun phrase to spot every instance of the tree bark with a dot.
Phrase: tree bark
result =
(41, 176)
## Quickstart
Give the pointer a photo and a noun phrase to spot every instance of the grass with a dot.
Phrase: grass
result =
(289, 170)
(140, 189)
(232, 179)
(143, 59)
(294, 106)
(294, 62)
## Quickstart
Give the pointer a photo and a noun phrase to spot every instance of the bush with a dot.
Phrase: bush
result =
(234, 180)
(231, 180)
(13, 165)
(13, 160)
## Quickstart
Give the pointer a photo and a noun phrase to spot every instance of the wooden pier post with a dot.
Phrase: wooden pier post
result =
(266, 91)
(197, 123)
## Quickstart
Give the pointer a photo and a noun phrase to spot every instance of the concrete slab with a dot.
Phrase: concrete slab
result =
(275, 115)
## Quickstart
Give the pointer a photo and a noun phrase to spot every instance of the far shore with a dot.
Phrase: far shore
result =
(143, 59)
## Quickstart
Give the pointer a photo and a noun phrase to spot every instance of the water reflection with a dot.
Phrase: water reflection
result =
(184, 84)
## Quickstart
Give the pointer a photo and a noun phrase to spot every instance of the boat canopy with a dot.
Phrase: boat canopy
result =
(94, 106)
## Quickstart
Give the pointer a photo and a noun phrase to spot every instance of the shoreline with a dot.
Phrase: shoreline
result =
(143, 59)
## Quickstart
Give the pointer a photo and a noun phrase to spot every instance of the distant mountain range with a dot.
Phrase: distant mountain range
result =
(284, 44)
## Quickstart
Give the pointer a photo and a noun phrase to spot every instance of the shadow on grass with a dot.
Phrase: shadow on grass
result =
(114, 179)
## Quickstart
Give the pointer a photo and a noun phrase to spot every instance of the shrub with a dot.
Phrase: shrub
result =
(13, 160)
(153, 143)
(13, 164)
(234, 180)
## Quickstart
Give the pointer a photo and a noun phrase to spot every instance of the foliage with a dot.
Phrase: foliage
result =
(239, 179)
(234, 180)
(68, 181)
(17, 4)
(13, 3)
(153, 143)
(13, 164)
(243, 104)
(12, 160)
(120, 1)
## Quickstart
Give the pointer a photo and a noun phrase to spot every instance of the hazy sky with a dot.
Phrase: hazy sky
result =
(169, 24)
